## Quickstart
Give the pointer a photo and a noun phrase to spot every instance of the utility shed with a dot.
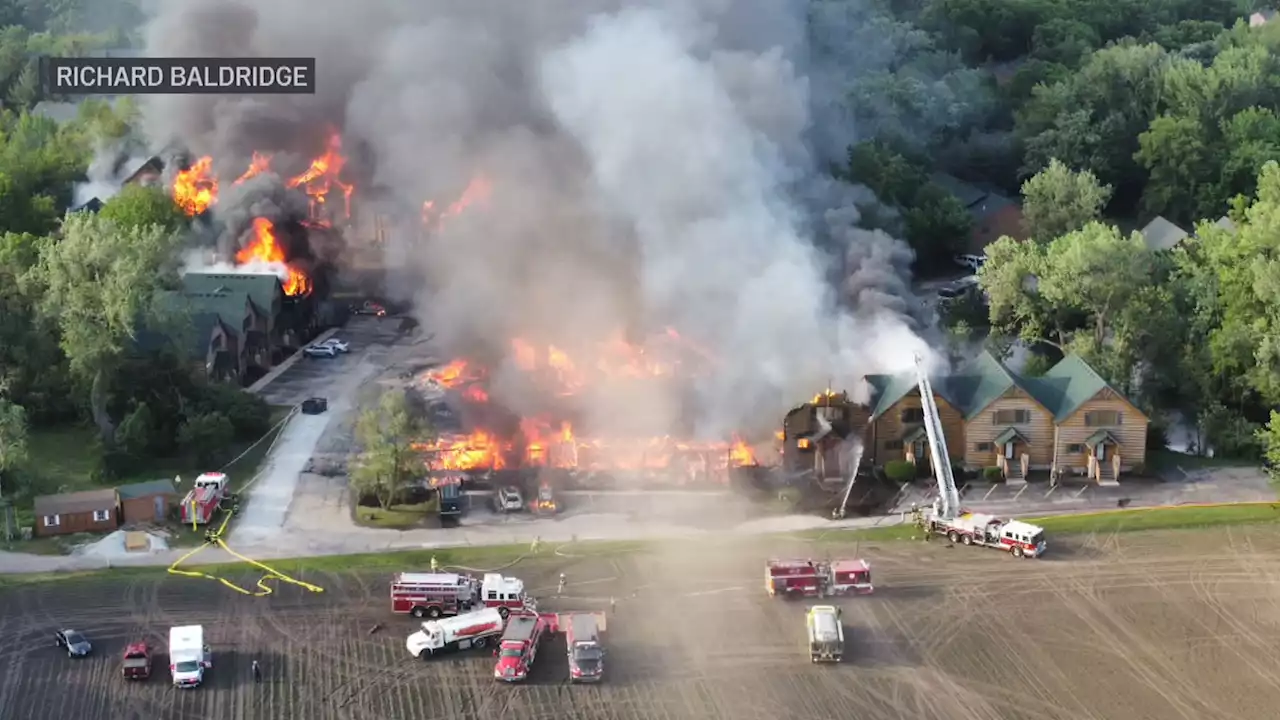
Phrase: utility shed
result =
(147, 502)
(68, 513)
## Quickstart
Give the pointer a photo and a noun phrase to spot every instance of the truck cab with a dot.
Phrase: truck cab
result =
(136, 663)
(450, 499)
(586, 652)
(825, 626)
(519, 647)
(188, 656)
(216, 480)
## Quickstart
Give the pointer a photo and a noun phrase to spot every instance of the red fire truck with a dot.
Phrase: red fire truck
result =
(1013, 536)
(435, 595)
(817, 578)
(518, 648)
(211, 491)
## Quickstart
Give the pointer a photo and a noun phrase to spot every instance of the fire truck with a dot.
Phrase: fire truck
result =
(210, 493)
(817, 578)
(1014, 536)
(469, 630)
(518, 648)
(434, 595)
(946, 518)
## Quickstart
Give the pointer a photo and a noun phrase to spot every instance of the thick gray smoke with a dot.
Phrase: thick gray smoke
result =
(649, 164)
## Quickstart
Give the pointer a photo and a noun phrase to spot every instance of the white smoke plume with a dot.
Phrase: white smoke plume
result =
(651, 165)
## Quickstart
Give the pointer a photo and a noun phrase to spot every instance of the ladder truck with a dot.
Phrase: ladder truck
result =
(946, 518)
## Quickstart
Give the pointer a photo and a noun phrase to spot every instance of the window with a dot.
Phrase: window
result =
(493, 595)
(1075, 449)
(52, 521)
(101, 515)
(1011, 417)
(1102, 418)
(983, 447)
(893, 445)
(913, 415)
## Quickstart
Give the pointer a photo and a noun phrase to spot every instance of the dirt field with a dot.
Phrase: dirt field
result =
(1142, 626)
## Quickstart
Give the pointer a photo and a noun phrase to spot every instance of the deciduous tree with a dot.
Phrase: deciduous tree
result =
(1058, 200)
(99, 283)
(387, 461)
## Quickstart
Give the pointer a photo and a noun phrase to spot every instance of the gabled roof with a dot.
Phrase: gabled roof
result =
(92, 206)
(264, 289)
(227, 306)
(887, 390)
(980, 201)
(1225, 223)
(1160, 234)
(76, 502)
(139, 167)
(1067, 386)
(144, 489)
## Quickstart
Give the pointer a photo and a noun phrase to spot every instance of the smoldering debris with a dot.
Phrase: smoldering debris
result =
(645, 159)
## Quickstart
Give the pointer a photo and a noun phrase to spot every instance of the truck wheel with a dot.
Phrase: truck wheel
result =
(967, 539)
(419, 612)
(953, 536)
(1017, 552)
(480, 642)
(504, 612)
(434, 612)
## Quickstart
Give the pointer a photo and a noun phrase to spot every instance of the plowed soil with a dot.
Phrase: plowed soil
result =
(1141, 626)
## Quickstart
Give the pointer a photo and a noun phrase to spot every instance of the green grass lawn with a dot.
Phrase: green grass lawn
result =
(396, 517)
(63, 459)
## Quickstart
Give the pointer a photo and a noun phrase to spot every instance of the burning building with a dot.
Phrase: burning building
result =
(824, 438)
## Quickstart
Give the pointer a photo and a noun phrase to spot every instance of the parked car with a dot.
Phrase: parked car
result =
(74, 642)
(959, 288)
(973, 262)
(320, 351)
(137, 661)
(370, 308)
(508, 499)
(336, 344)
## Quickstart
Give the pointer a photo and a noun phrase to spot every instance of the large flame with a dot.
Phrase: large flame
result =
(547, 442)
(323, 175)
(196, 189)
(265, 248)
(477, 191)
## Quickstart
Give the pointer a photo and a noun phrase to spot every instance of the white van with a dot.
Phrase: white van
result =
(188, 656)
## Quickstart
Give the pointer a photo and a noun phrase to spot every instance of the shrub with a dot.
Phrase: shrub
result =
(249, 415)
(900, 471)
(992, 474)
(206, 436)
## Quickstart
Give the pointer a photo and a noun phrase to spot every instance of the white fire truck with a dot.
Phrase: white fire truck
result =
(826, 633)
(817, 578)
(469, 630)
(434, 595)
(946, 518)
(1014, 536)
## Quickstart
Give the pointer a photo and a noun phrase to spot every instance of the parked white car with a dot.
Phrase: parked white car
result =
(320, 351)
(336, 344)
(973, 262)
(508, 499)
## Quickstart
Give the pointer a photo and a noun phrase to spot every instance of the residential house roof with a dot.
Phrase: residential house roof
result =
(76, 502)
(263, 289)
(981, 382)
(981, 202)
(57, 111)
(226, 305)
(1067, 386)
(1261, 17)
(142, 167)
(1225, 223)
(887, 390)
(146, 489)
(93, 205)
(1160, 234)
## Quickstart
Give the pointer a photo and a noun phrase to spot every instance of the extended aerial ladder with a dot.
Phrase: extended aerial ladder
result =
(947, 507)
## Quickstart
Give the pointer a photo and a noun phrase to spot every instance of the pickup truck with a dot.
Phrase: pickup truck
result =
(136, 663)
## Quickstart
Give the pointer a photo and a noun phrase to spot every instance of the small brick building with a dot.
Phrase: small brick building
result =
(147, 502)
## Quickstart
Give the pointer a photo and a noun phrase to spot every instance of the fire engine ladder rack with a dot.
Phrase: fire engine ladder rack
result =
(948, 495)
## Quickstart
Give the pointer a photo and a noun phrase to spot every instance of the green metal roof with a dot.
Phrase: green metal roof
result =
(143, 489)
(1093, 440)
(263, 289)
(887, 390)
(980, 383)
(1009, 433)
(1067, 386)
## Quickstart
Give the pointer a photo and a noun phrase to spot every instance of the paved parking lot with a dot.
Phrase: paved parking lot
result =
(312, 377)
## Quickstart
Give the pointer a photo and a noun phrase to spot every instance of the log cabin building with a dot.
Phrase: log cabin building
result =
(1068, 421)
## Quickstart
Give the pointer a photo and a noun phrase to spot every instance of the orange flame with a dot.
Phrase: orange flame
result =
(196, 189)
(264, 248)
(258, 165)
(325, 173)
(479, 450)
(477, 191)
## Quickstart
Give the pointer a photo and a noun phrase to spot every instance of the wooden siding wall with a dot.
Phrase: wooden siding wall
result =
(983, 429)
(1132, 433)
(77, 522)
(890, 428)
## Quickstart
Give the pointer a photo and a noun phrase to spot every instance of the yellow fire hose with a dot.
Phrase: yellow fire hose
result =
(269, 573)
